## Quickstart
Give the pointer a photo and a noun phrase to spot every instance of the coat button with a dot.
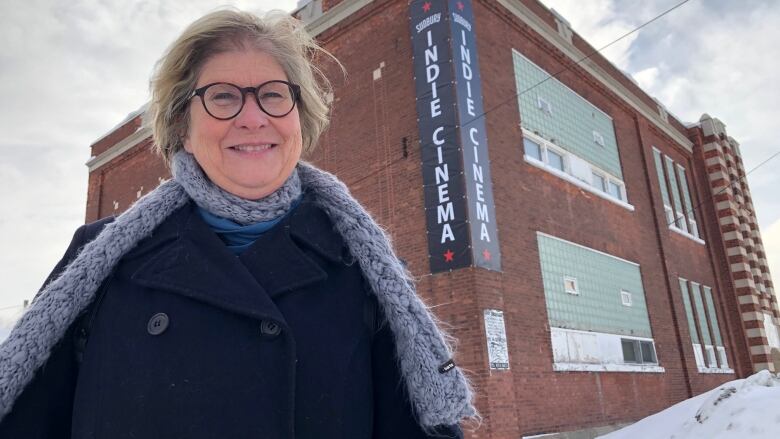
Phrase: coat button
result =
(158, 323)
(269, 328)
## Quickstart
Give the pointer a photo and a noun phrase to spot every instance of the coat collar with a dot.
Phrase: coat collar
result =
(186, 257)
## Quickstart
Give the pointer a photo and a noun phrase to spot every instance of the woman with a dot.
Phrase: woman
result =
(250, 296)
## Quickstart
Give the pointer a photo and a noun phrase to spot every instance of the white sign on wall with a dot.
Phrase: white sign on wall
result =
(495, 333)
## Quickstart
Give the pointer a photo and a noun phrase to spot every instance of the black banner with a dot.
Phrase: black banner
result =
(460, 214)
(479, 185)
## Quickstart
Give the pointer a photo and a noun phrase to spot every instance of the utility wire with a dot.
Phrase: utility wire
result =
(744, 177)
(577, 62)
(520, 93)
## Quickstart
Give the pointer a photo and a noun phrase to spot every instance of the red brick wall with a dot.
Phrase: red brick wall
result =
(123, 180)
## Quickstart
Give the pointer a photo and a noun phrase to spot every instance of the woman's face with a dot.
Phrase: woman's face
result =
(252, 154)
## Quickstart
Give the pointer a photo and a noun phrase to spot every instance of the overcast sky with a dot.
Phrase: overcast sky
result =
(70, 71)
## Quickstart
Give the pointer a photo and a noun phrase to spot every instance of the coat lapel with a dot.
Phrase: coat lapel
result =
(198, 265)
(278, 260)
(186, 257)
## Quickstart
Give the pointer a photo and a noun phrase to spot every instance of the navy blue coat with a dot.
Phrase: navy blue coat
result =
(187, 340)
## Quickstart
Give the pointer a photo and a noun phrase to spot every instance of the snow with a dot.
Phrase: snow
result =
(741, 409)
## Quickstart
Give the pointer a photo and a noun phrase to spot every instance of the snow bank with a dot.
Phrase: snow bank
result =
(740, 409)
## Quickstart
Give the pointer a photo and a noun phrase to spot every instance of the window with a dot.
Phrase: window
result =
(543, 105)
(625, 298)
(678, 207)
(555, 160)
(707, 342)
(614, 190)
(724, 362)
(570, 285)
(693, 226)
(532, 149)
(598, 139)
(711, 356)
(546, 155)
(638, 351)
(648, 352)
(599, 182)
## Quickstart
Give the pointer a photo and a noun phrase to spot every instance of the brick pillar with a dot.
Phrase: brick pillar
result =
(739, 230)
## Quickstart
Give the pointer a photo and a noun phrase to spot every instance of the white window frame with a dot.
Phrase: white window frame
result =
(678, 224)
(557, 151)
(711, 360)
(724, 361)
(545, 146)
(604, 180)
(626, 298)
(572, 279)
(638, 344)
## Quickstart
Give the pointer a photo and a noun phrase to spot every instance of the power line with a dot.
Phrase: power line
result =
(452, 128)
(701, 202)
(577, 62)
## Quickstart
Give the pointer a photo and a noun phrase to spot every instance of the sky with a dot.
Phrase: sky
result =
(70, 71)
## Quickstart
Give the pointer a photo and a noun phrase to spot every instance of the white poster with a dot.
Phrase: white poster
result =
(495, 332)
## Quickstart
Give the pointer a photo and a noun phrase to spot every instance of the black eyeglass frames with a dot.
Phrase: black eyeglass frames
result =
(224, 101)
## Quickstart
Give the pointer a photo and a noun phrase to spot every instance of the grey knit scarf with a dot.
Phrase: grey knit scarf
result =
(439, 392)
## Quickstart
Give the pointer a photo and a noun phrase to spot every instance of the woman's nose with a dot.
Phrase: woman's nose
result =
(251, 116)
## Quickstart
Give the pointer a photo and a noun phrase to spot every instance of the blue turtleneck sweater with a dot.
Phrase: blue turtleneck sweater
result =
(238, 238)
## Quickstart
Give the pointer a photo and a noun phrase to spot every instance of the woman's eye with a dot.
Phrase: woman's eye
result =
(271, 95)
(225, 97)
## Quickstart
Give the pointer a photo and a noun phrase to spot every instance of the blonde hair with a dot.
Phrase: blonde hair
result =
(275, 33)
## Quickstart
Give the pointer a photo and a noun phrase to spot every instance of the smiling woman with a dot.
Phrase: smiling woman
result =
(233, 286)
(249, 153)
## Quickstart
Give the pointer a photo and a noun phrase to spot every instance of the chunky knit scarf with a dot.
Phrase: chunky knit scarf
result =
(439, 392)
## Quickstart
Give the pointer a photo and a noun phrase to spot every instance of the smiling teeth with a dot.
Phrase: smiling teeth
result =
(252, 148)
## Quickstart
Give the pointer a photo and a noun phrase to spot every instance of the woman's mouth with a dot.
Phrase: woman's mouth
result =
(253, 147)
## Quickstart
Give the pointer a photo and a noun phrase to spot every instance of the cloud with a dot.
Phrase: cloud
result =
(714, 57)
(647, 77)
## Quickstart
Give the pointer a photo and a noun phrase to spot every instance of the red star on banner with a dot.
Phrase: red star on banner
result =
(426, 6)
(460, 6)
(486, 254)
(448, 255)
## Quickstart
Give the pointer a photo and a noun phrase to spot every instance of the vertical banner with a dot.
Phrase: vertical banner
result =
(442, 164)
(459, 207)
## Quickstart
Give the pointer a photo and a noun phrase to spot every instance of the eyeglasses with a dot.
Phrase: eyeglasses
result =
(224, 101)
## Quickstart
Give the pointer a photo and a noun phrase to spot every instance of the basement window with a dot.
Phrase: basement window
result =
(638, 351)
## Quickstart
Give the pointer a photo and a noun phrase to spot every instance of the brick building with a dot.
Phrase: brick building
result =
(603, 263)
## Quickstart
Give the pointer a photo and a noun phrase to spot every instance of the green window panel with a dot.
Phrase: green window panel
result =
(687, 198)
(571, 120)
(689, 311)
(675, 194)
(600, 279)
(659, 168)
(713, 316)
(705, 332)
(685, 192)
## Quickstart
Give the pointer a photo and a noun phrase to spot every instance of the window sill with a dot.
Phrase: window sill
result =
(577, 182)
(715, 370)
(686, 234)
(583, 367)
